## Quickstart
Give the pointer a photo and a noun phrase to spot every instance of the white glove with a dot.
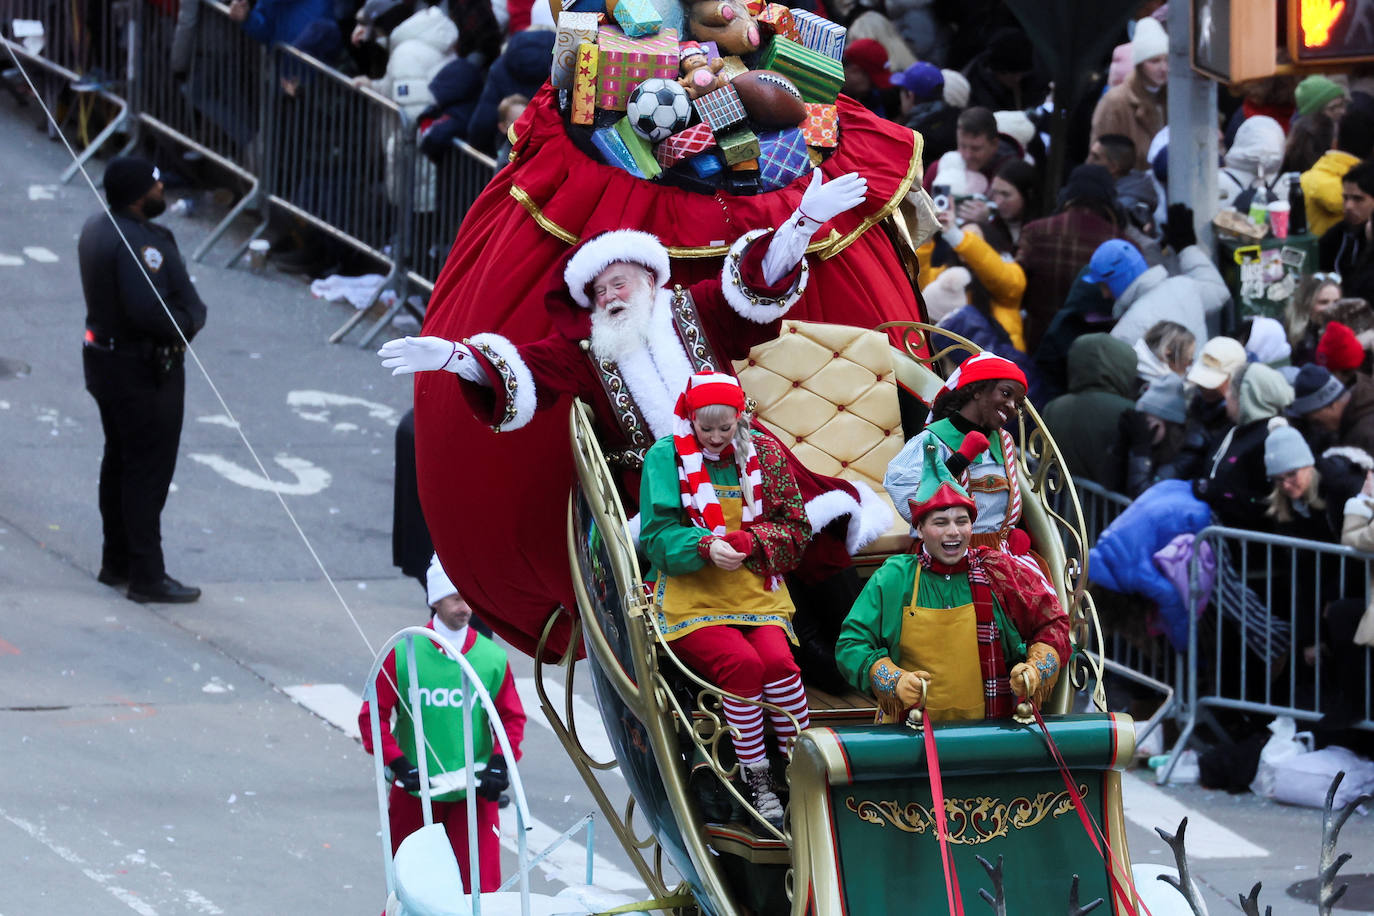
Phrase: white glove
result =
(408, 355)
(823, 202)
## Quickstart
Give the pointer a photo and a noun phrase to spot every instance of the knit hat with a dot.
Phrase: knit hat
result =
(1009, 51)
(1339, 349)
(870, 57)
(1220, 357)
(1164, 399)
(1285, 449)
(947, 293)
(437, 584)
(1015, 124)
(921, 79)
(127, 178)
(1314, 389)
(957, 89)
(1314, 92)
(1089, 184)
(597, 253)
(1150, 40)
(937, 490)
(1117, 263)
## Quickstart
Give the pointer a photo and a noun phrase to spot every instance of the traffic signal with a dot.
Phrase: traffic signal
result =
(1331, 31)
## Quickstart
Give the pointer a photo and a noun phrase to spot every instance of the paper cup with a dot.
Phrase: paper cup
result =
(257, 254)
(1278, 218)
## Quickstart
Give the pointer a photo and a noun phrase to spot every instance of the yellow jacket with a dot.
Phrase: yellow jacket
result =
(1004, 280)
(1321, 185)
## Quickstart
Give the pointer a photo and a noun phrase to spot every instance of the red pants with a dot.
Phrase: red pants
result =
(406, 814)
(738, 659)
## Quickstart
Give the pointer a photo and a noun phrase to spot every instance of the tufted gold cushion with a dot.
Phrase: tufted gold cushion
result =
(829, 392)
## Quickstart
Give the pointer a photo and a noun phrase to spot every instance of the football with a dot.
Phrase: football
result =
(658, 108)
(770, 98)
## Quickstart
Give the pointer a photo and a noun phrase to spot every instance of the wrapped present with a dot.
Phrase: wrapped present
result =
(782, 158)
(721, 109)
(712, 50)
(614, 151)
(822, 125)
(573, 29)
(738, 145)
(779, 18)
(734, 66)
(624, 62)
(640, 149)
(743, 184)
(820, 34)
(818, 77)
(755, 6)
(638, 18)
(748, 165)
(706, 165)
(817, 157)
(684, 144)
(584, 85)
(597, 7)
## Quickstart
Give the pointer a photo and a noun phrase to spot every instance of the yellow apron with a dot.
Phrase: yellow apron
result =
(944, 642)
(712, 596)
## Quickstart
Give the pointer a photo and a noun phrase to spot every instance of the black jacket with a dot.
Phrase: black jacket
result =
(120, 303)
(520, 70)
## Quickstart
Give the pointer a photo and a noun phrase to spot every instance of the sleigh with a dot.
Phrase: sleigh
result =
(860, 836)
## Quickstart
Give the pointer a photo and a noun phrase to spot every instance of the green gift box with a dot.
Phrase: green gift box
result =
(738, 145)
(817, 76)
(642, 150)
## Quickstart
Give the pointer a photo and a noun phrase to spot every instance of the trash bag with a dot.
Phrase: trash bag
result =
(1303, 779)
(1285, 743)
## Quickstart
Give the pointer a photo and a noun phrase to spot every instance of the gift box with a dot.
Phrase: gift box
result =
(638, 18)
(684, 144)
(624, 62)
(596, 7)
(739, 145)
(573, 29)
(584, 85)
(783, 158)
(819, 34)
(816, 76)
(779, 18)
(822, 125)
(641, 150)
(721, 109)
(614, 150)
(734, 66)
(706, 165)
(816, 157)
(755, 7)
(712, 50)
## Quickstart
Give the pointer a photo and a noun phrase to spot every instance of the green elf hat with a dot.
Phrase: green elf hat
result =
(938, 490)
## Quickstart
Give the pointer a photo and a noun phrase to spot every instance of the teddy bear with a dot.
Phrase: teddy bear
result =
(699, 75)
(726, 22)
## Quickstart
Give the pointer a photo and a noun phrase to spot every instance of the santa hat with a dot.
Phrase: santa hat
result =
(706, 388)
(938, 490)
(978, 368)
(437, 584)
(1339, 349)
(597, 253)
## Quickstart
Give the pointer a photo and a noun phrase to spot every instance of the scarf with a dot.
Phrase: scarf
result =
(998, 700)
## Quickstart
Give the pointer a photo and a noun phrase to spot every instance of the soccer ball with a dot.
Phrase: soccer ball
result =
(658, 108)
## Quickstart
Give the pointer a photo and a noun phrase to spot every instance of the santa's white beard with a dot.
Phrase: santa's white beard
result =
(614, 337)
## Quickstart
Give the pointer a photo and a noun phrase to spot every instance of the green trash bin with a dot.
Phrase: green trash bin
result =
(1263, 275)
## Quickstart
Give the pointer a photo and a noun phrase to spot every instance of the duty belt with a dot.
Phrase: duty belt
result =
(146, 348)
(632, 458)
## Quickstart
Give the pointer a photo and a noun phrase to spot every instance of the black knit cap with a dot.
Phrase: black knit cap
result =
(1089, 184)
(127, 178)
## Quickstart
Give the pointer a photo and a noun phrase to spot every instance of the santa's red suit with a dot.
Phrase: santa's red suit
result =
(497, 503)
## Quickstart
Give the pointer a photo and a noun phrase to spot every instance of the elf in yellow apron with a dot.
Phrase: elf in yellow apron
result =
(723, 520)
(978, 627)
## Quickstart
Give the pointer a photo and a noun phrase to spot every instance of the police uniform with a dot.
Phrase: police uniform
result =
(133, 359)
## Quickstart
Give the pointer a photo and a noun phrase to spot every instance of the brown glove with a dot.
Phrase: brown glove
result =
(1037, 675)
(897, 690)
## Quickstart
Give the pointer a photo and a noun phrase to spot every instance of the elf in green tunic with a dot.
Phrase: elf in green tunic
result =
(723, 520)
(964, 631)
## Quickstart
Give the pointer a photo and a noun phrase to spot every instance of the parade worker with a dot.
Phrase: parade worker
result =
(979, 628)
(723, 521)
(442, 693)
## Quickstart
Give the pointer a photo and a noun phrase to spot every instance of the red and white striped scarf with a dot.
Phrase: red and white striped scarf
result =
(699, 494)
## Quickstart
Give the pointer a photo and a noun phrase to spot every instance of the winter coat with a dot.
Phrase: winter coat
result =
(971, 323)
(1084, 422)
(455, 88)
(1237, 486)
(1357, 420)
(1187, 298)
(420, 47)
(1321, 187)
(1002, 277)
(1085, 311)
(1258, 148)
(1340, 249)
(1052, 252)
(923, 31)
(1132, 111)
(520, 70)
(936, 122)
(280, 21)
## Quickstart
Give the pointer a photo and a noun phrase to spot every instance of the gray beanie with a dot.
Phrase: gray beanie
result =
(1164, 399)
(1285, 449)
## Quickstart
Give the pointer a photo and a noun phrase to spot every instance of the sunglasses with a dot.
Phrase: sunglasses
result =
(1325, 276)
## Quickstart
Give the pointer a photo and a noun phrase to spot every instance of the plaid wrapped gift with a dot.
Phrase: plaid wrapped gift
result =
(683, 144)
(614, 151)
(721, 109)
(818, 77)
(779, 18)
(584, 85)
(822, 125)
(638, 18)
(820, 34)
(573, 29)
(739, 145)
(642, 150)
(782, 158)
(625, 62)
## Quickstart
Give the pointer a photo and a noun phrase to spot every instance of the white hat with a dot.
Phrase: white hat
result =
(1015, 124)
(1220, 357)
(947, 293)
(1150, 40)
(600, 252)
(437, 585)
(957, 89)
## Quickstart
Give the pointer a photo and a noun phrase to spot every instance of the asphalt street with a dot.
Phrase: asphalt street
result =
(193, 759)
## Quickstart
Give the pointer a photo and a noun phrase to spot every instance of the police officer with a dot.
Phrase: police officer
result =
(134, 358)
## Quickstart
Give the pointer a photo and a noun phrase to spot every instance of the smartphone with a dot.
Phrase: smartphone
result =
(942, 198)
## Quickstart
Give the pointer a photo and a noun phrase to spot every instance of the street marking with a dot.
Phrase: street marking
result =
(314, 406)
(218, 419)
(9, 260)
(42, 191)
(568, 863)
(591, 731)
(310, 479)
(1150, 807)
(334, 703)
(40, 254)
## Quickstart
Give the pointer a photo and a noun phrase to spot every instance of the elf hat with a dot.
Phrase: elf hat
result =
(979, 368)
(706, 388)
(597, 253)
(437, 584)
(938, 490)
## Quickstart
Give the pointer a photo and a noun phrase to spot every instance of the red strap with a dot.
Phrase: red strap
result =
(1104, 848)
(937, 799)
